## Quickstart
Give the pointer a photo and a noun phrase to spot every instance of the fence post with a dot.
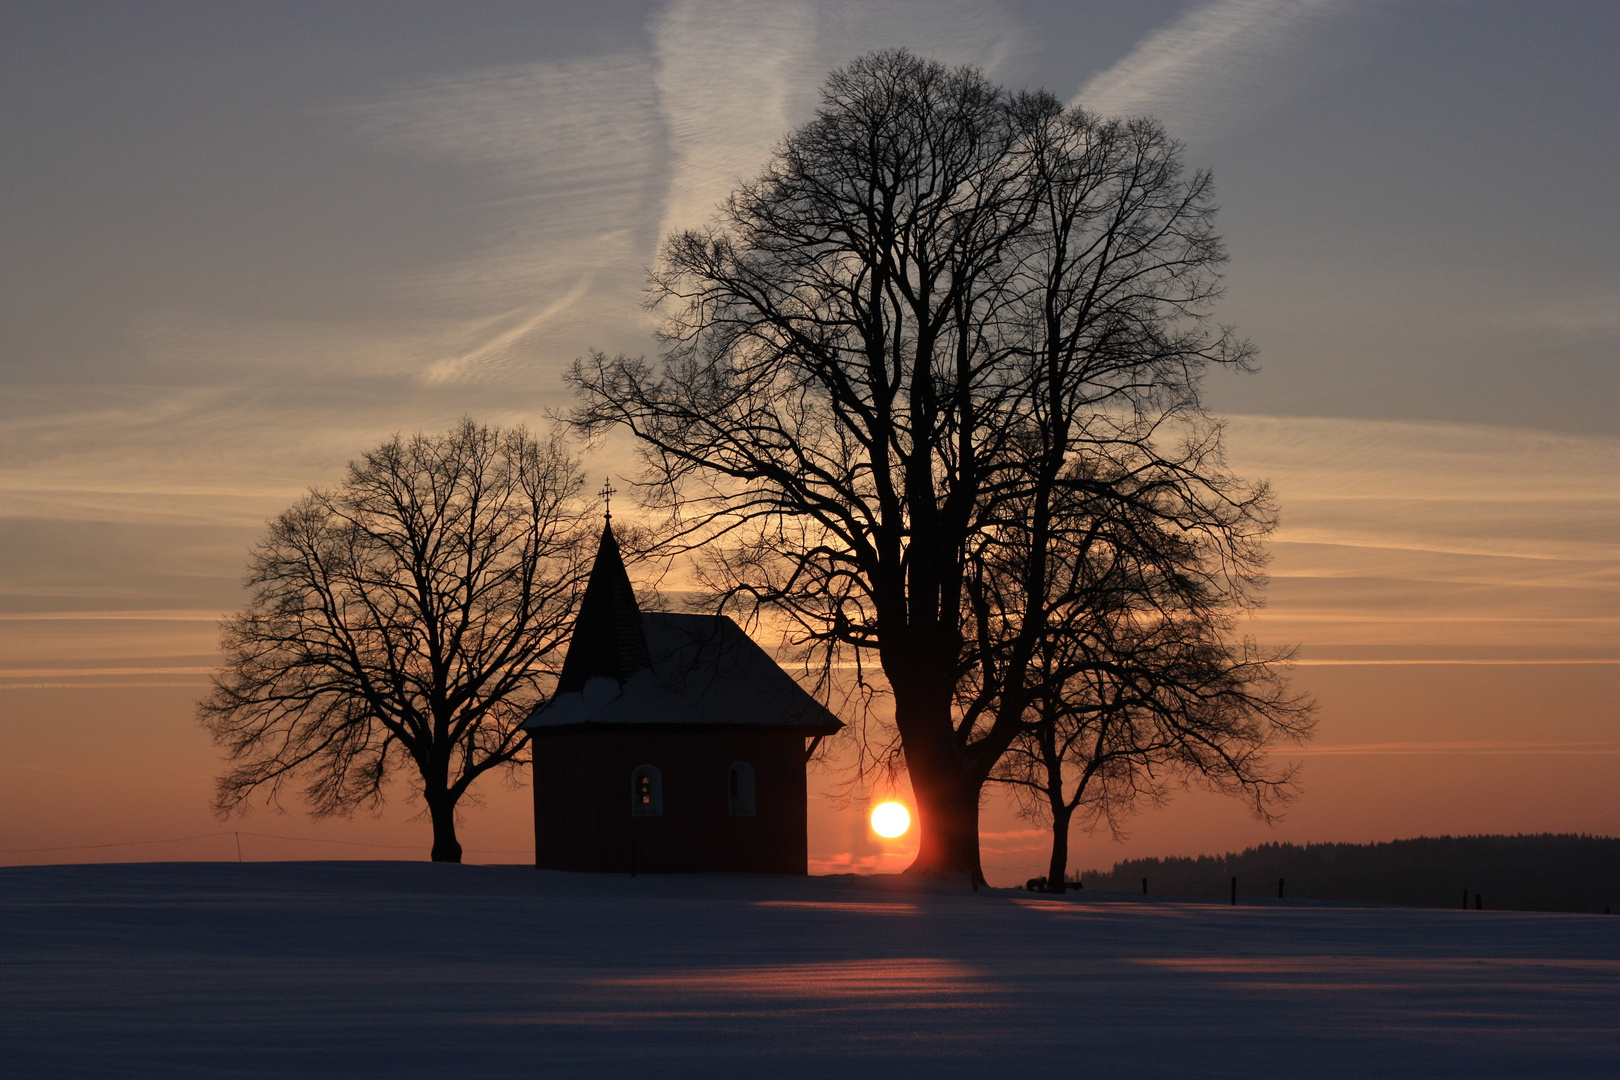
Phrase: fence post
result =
(1279, 888)
(1234, 892)
(1144, 886)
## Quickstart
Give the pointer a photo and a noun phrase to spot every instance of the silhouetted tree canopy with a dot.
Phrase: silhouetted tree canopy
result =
(946, 344)
(405, 621)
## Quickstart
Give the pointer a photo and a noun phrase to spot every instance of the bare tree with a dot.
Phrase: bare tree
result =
(405, 621)
(1176, 705)
(889, 354)
(1143, 688)
(1138, 682)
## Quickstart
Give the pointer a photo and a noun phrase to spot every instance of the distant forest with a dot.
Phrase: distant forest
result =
(1545, 872)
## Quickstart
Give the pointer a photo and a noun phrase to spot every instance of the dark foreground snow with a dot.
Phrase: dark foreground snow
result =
(414, 970)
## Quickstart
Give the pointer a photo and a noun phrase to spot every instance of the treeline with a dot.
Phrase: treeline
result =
(1544, 872)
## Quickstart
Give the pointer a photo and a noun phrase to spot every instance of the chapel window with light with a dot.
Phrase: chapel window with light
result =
(742, 789)
(646, 792)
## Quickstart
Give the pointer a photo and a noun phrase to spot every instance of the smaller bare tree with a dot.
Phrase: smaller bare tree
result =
(1132, 718)
(405, 621)
(1139, 685)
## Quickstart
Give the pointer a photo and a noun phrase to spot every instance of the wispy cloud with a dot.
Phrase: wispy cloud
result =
(156, 454)
(1427, 533)
(569, 154)
(43, 673)
(723, 117)
(155, 615)
(1309, 662)
(1452, 748)
(1220, 66)
(730, 87)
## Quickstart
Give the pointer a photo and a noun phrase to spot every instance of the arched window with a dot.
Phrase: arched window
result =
(646, 792)
(741, 789)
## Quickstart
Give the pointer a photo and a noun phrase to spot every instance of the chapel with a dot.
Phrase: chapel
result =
(673, 743)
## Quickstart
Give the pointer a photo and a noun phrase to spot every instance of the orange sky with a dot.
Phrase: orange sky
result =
(1452, 588)
(1402, 750)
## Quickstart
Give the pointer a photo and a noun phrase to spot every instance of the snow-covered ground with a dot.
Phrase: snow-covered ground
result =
(415, 970)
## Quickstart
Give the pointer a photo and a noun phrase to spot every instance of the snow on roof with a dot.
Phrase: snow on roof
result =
(625, 667)
(704, 671)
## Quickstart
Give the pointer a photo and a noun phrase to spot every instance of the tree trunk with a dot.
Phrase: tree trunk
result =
(945, 786)
(1060, 847)
(947, 821)
(446, 848)
(1062, 810)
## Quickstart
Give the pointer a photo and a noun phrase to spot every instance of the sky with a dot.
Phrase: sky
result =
(243, 243)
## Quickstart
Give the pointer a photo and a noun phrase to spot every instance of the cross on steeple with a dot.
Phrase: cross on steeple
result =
(607, 493)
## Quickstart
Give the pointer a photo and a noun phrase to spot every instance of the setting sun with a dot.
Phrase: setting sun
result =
(890, 819)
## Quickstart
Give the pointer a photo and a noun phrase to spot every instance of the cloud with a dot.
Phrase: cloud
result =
(569, 156)
(1452, 748)
(559, 169)
(1428, 533)
(156, 454)
(1312, 662)
(724, 117)
(1222, 65)
(1013, 834)
(36, 673)
(584, 166)
(153, 615)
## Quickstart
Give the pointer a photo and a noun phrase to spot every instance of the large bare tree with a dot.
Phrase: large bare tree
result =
(897, 348)
(405, 621)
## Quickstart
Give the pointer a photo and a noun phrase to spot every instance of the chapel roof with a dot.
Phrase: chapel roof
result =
(628, 668)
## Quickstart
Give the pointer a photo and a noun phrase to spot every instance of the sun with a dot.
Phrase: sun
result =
(890, 819)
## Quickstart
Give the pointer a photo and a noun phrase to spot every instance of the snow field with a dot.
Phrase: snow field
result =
(416, 970)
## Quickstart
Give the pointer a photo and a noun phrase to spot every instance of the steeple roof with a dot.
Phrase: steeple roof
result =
(626, 670)
(609, 641)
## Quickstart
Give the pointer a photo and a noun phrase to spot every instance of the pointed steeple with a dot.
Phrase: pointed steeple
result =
(608, 638)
